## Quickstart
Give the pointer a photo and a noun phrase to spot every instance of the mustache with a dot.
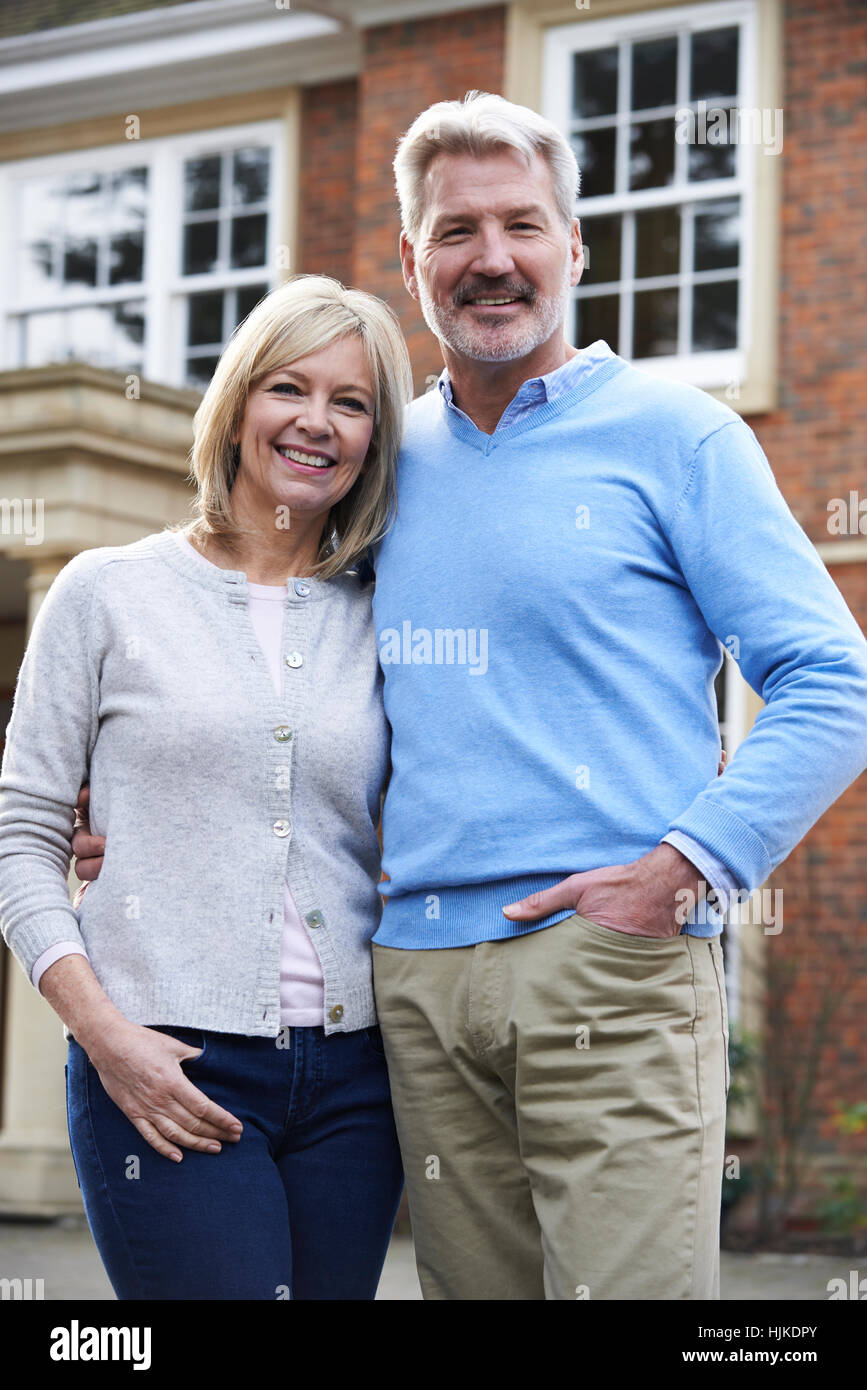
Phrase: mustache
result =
(489, 289)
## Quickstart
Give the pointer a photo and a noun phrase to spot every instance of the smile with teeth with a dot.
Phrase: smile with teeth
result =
(299, 456)
(494, 301)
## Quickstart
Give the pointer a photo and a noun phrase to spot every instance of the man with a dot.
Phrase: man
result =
(574, 541)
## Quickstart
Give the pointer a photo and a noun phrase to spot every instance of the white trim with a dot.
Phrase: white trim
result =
(160, 57)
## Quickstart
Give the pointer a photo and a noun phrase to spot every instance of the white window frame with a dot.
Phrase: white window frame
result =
(163, 289)
(704, 369)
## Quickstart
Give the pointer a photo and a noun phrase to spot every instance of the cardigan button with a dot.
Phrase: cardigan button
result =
(336, 1013)
(281, 828)
(294, 659)
(302, 588)
(282, 733)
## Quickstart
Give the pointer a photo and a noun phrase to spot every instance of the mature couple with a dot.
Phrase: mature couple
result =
(553, 1040)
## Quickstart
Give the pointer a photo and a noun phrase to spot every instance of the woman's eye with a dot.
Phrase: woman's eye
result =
(351, 401)
(281, 386)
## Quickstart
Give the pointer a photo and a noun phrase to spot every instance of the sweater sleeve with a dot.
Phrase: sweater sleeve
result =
(48, 745)
(765, 593)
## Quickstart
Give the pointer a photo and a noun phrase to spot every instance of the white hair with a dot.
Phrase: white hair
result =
(481, 124)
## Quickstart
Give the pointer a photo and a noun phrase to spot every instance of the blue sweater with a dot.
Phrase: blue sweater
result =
(550, 607)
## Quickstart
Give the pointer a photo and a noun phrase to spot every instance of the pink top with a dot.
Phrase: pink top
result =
(302, 994)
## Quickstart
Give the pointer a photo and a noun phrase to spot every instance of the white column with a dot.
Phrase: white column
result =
(37, 1176)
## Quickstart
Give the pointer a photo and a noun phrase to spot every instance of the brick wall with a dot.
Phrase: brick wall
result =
(817, 444)
(326, 224)
(406, 67)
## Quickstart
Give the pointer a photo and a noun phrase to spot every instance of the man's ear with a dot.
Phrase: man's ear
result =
(407, 261)
(577, 251)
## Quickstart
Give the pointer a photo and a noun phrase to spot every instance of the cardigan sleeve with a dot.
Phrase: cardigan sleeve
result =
(49, 741)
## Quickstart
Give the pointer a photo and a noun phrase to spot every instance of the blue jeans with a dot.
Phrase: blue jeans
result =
(305, 1201)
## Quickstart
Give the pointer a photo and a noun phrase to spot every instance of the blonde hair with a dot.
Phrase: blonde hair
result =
(303, 316)
(481, 124)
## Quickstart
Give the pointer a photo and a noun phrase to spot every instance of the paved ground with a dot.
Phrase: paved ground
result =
(62, 1253)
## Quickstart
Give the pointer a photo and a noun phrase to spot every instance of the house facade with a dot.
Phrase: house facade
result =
(162, 165)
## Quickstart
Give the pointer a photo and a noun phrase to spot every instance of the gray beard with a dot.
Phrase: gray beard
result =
(503, 342)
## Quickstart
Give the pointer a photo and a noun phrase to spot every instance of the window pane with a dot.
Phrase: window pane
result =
(85, 212)
(202, 183)
(715, 316)
(717, 235)
(126, 258)
(44, 339)
(41, 220)
(654, 73)
(129, 189)
(594, 82)
(651, 154)
(205, 321)
(657, 242)
(90, 336)
(711, 160)
(714, 64)
(601, 237)
(655, 323)
(79, 263)
(594, 150)
(248, 241)
(247, 300)
(597, 317)
(200, 370)
(36, 269)
(250, 176)
(200, 247)
(129, 328)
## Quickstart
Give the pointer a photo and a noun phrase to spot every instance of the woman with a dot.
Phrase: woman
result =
(228, 1100)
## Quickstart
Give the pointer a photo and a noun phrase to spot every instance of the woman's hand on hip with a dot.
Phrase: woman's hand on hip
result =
(141, 1071)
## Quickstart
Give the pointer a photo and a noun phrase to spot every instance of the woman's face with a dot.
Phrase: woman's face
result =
(306, 431)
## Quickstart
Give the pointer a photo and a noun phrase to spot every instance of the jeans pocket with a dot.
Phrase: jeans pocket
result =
(193, 1037)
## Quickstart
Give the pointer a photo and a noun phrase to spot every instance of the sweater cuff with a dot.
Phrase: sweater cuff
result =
(727, 837)
(44, 929)
(51, 956)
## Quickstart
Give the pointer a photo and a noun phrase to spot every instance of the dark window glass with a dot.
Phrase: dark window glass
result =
(200, 370)
(651, 154)
(594, 77)
(655, 323)
(250, 176)
(713, 64)
(597, 317)
(129, 322)
(711, 160)
(715, 316)
(601, 237)
(202, 183)
(654, 73)
(248, 298)
(126, 258)
(717, 235)
(657, 242)
(595, 152)
(248, 241)
(79, 263)
(200, 247)
(205, 321)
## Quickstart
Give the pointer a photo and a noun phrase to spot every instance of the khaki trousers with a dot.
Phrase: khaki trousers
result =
(560, 1103)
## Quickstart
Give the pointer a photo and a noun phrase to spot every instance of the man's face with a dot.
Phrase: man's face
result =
(491, 231)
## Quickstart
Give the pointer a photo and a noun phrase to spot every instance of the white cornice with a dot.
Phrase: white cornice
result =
(157, 57)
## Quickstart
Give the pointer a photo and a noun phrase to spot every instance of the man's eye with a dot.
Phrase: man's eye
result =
(456, 231)
(525, 226)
